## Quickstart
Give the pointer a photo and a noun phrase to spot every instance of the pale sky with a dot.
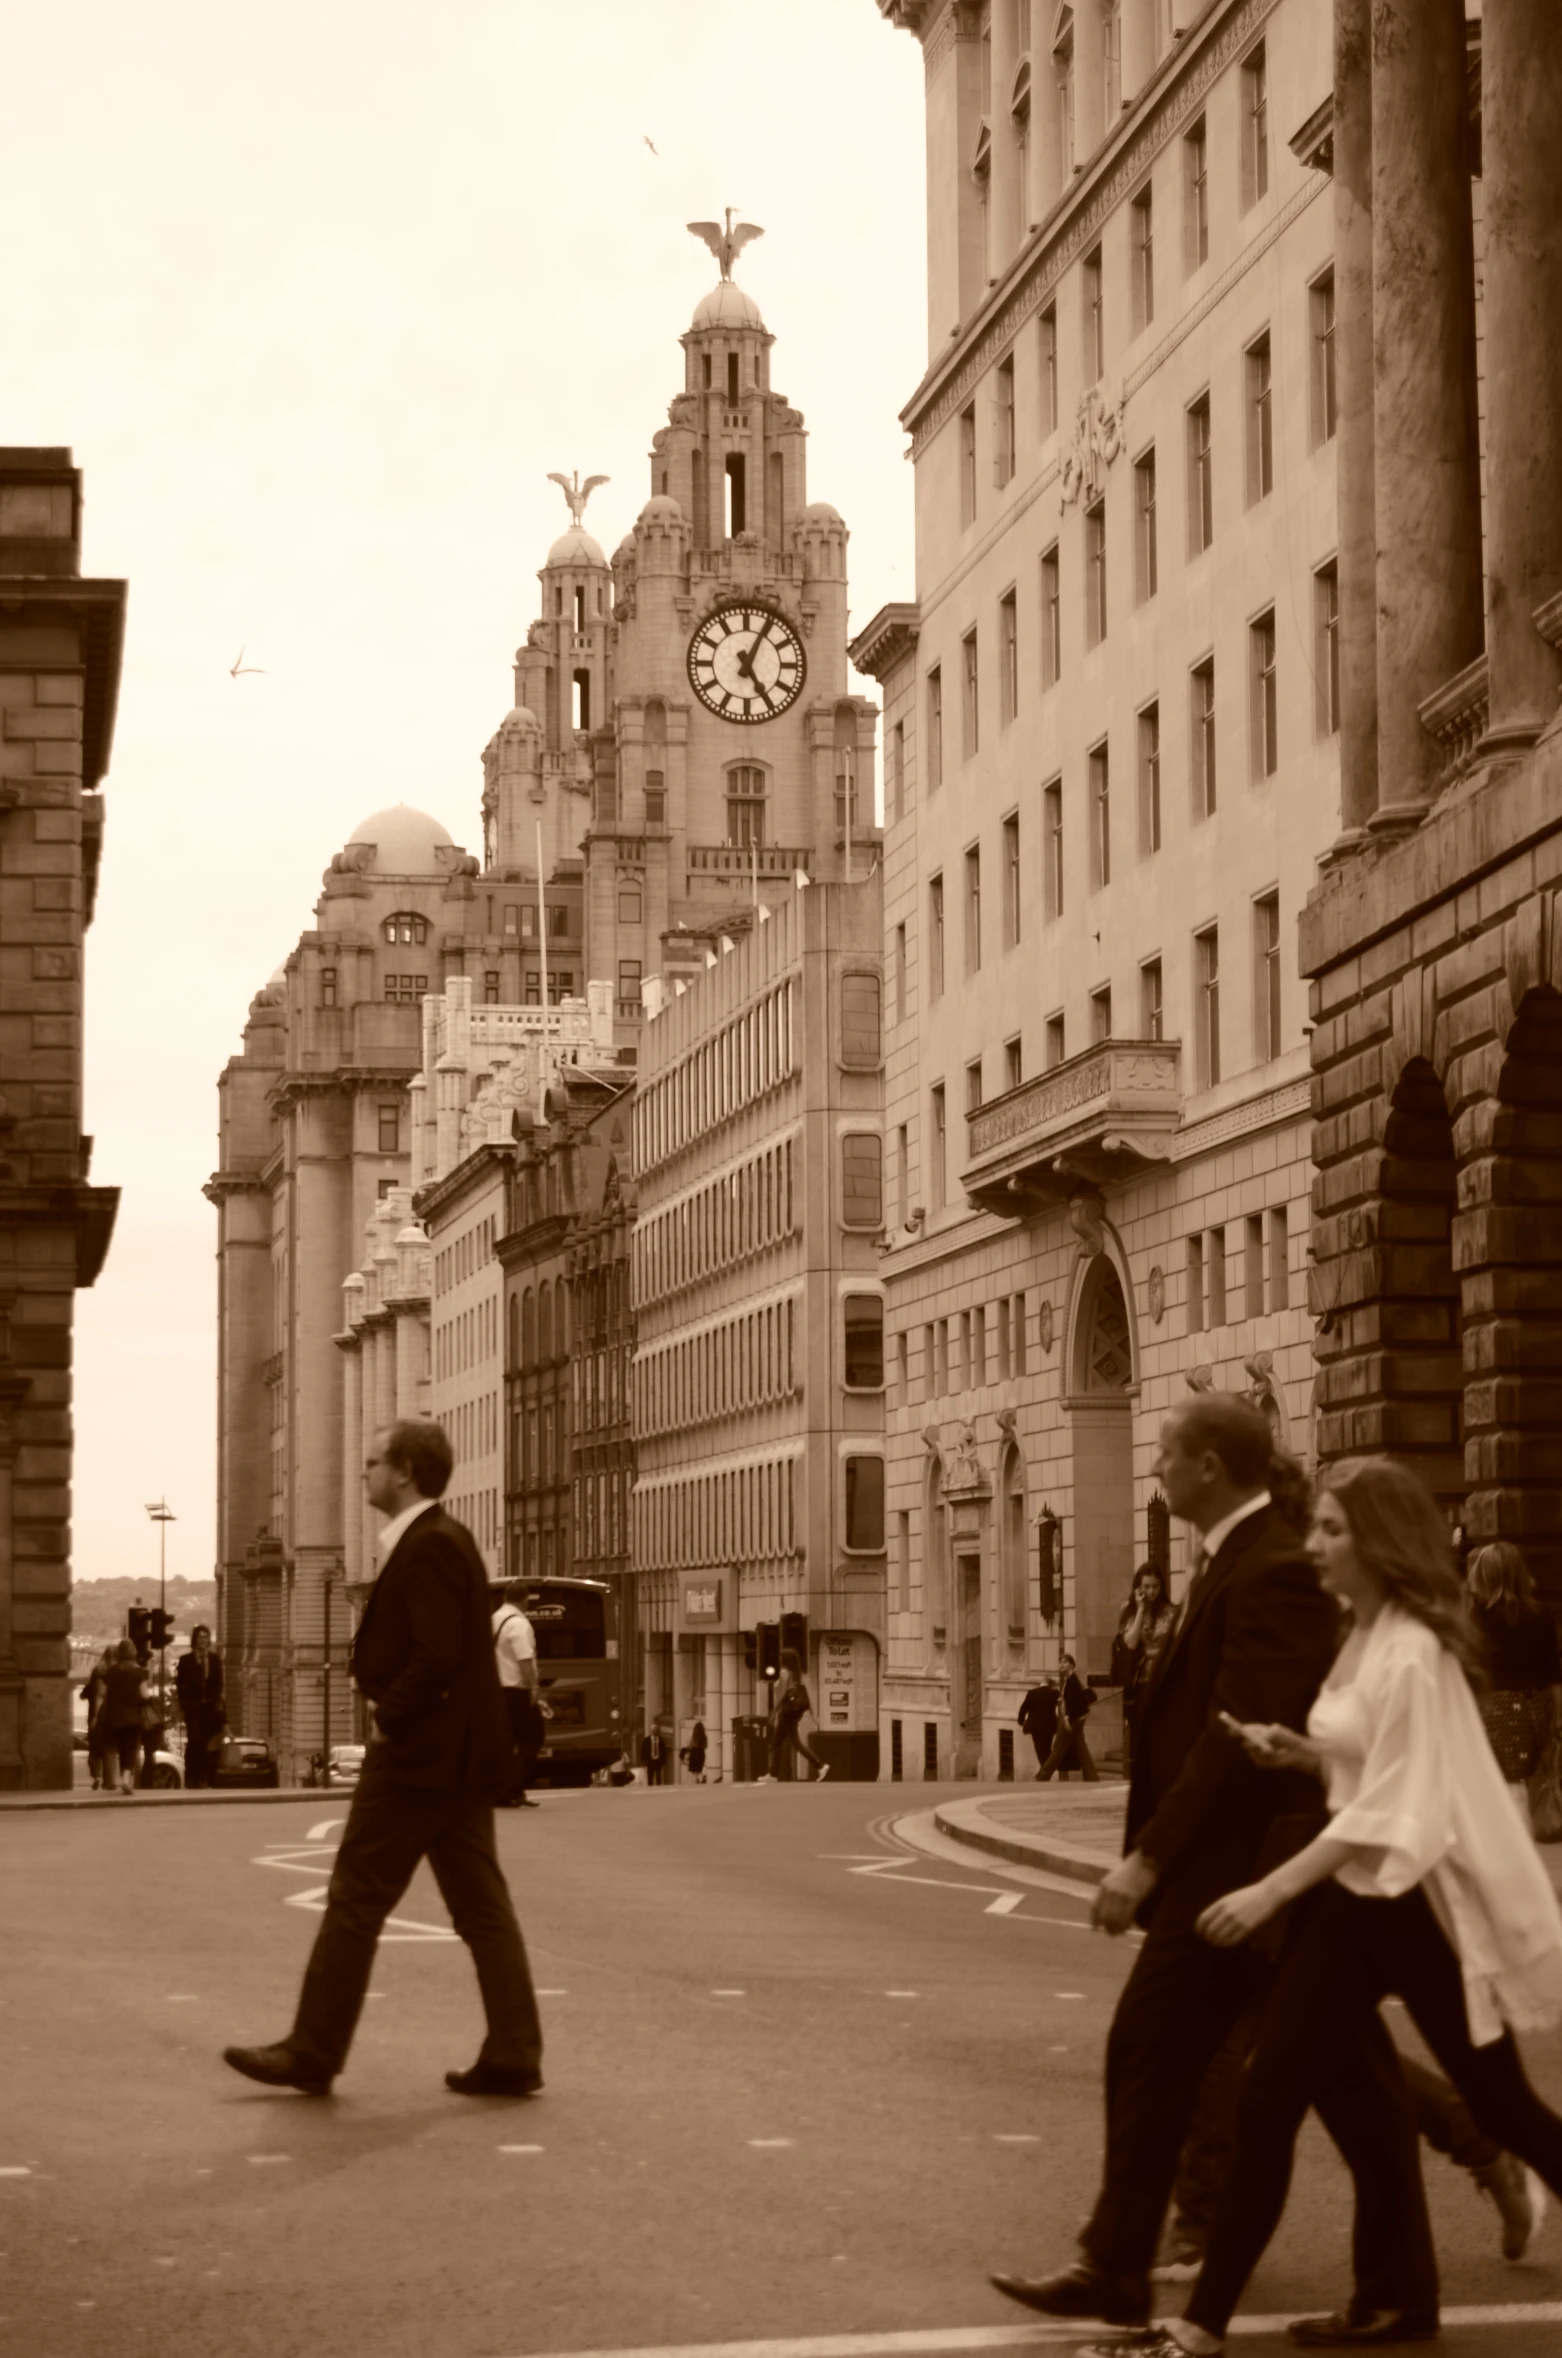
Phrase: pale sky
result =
(319, 293)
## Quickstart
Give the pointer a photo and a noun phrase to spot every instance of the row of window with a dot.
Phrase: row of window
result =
(1246, 1262)
(538, 1336)
(747, 1514)
(470, 1339)
(987, 1343)
(473, 1426)
(464, 1255)
(726, 1220)
(601, 1387)
(747, 1057)
(601, 1509)
(479, 1511)
(745, 1362)
(407, 990)
(538, 1436)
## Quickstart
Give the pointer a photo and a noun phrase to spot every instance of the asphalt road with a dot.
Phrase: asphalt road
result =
(786, 2098)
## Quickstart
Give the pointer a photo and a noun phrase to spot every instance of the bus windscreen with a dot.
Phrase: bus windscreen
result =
(571, 1624)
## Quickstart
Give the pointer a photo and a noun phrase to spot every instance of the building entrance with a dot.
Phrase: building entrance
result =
(968, 1690)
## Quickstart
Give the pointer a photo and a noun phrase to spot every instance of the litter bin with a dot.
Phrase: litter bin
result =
(750, 1749)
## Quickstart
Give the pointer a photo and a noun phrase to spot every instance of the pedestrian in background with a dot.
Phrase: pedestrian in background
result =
(102, 1759)
(1038, 1719)
(1254, 1623)
(1425, 1885)
(120, 1715)
(515, 1651)
(694, 1751)
(198, 1690)
(1069, 1748)
(791, 1707)
(1143, 1627)
(439, 1753)
(1518, 1710)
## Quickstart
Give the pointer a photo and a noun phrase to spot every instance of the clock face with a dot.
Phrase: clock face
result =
(746, 663)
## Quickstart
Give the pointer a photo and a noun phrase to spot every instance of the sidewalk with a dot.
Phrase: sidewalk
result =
(1073, 1830)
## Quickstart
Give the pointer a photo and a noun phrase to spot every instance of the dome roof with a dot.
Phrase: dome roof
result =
(576, 547)
(624, 553)
(728, 306)
(661, 510)
(406, 842)
(821, 512)
(522, 720)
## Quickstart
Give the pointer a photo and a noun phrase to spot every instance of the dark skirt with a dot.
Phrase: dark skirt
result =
(1518, 1721)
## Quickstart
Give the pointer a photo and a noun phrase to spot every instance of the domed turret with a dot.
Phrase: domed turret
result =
(576, 547)
(402, 842)
(730, 307)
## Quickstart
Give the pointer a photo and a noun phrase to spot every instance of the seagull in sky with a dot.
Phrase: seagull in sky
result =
(651, 143)
(238, 668)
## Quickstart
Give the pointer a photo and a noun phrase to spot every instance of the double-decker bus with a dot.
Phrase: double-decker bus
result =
(578, 1668)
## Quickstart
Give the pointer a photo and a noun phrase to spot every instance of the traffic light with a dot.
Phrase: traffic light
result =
(769, 1636)
(794, 1633)
(138, 1628)
(751, 1649)
(161, 1631)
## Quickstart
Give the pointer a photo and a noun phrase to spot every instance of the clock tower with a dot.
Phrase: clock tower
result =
(738, 756)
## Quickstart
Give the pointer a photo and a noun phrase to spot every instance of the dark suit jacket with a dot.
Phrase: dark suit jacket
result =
(424, 1657)
(1257, 1643)
(198, 1700)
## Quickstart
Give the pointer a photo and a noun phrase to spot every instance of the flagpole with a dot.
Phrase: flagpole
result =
(542, 931)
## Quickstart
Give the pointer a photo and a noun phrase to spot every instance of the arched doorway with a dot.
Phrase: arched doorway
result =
(1011, 1546)
(1100, 1406)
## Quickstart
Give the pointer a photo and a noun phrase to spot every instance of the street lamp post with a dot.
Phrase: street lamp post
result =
(162, 1515)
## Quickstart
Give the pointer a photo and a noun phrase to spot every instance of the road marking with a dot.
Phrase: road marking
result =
(1057, 2050)
(260, 2160)
(520, 2149)
(15, 2170)
(325, 1827)
(552, 1993)
(183, 1998)
(166, 2263)
(395, 1927)
(999, 2138)
(1005, 1904)
(729, 1993)
(769, 2144)
(891, 1870)
(1069, 1994)
(902, 1993)
(957, 2338)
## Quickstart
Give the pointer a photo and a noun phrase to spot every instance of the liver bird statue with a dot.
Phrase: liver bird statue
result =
(576, 492)
(726, 244)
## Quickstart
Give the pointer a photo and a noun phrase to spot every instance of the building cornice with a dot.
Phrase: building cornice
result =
(886, 642)
(437, 1195)
(1174, 93)
(97, 608)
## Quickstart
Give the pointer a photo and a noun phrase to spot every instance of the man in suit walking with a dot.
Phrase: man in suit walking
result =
(424, 1658)
(1254, 1640)
(198, 1685)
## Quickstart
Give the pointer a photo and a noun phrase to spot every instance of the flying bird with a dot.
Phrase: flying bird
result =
(650, 143)
(726, 244)
(238, 667)
(576, 492)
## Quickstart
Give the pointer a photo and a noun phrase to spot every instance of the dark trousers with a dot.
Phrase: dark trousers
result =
(525, 1735)
(198, 1761)
(1069, 1750)
(786, 1741)
(1323, 2045)
(390, 1828)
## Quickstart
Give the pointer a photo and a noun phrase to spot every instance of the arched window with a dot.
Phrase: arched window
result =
(935, 1551)
(528, 1328)
(746, 783)
(406, 926)
(1012, 1541)
(846, 809)
(545, 1321)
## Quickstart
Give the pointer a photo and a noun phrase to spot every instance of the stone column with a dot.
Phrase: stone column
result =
(352, 1457)
(1357, 544)
(1138, 46)
(1089, 82)
(1046, 131)
(1427, 482)
(1006, 229)
(1521, 138)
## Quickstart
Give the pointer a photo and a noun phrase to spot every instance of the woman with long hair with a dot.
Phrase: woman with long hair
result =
(1519, 1710)
(1425, 1885)
(120, 1715)
(1143, 1627)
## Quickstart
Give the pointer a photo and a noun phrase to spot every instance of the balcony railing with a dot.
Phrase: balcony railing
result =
(741, 859)
(1457, 716)
(1099, 1117)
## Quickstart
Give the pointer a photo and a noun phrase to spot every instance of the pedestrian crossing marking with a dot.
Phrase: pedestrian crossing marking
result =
(404, 1928)
(520, 2149)
(1005, 1904)
(770, 2144)
(15, 2170)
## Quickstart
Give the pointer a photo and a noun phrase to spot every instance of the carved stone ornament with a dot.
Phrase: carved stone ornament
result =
(963, 1466)
(1046, 1326)
(1157, 1293)
(1086, 1213)
(1098, 437)
(1200, 1378)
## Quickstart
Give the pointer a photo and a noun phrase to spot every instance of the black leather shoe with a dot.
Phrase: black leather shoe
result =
(1081, 2292)
(1364, 2329)
(278, 2067)
(486, 2079)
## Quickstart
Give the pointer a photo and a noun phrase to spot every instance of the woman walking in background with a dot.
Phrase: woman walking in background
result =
(1143, 1627)
(792, 1706)
(1069, 1749)
(120, 1715)
(1521, 1653)
(102, 1760)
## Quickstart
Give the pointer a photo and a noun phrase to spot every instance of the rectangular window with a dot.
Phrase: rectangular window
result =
(863, 1343)
(973, 910)
(1146, 571)
(976, 1357)
(1326, 648)
(1253, 1265)
(491, 988)
(1011, 880)
(1101, 1014)
(1142, 234)
(1279, 1260)
(1323, 408)
(1215, 1274)
(1004, 457)
(938, 1146)
(1201, 478)
(328, 986)
(629, 978)
(970, 713)
(1150, 780)
(973, 1086)
(1052, 847)
(1094, 319)
(1008, 658)
(1266, 977)
(935, 730)
(1263, 698)
(390, 1129)
(1017, 1332)
(1195, 1285)
(1260, 421)
(1051, 620)
(897, 771)
(1055, 1046)
(629, 904)
(862, 1179)
(1100, 778)
(1206, 1017)
(1202, 708)
(655, 799)
(1095, 573)
(935, 940)
(968, 464)
(1013, 1063)
(1152, 1012)
(903, 1172)
(1001, 1335)
(1255, 127)
(900, 973)
(1195, 196)
(862, 1021)
(864, 1505)
(1049, 370)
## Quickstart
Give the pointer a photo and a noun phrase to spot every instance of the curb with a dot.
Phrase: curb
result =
(202, 1797)
(1077, 1865)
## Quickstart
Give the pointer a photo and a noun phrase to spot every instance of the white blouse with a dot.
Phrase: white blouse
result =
(1414, 1785)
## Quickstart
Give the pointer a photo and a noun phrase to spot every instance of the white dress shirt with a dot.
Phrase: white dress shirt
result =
(515, 1643)
(1211, 1542)
(392, 1531)
(1414, 1785)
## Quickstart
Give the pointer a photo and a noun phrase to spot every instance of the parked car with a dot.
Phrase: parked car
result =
(344, 1765)
(245, 1760)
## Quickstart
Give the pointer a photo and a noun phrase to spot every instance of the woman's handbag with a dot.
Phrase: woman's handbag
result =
(1545, 1790)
